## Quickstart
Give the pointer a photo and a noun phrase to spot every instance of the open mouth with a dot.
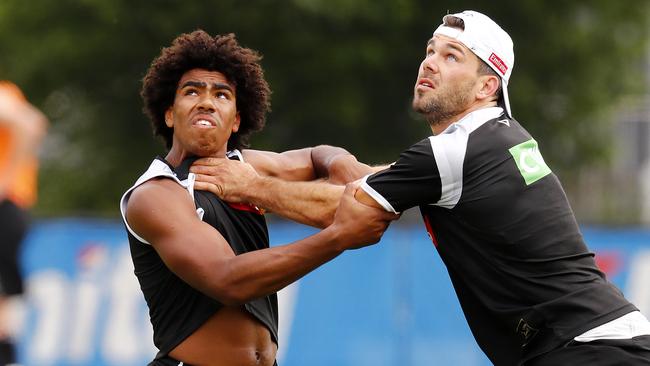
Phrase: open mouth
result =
(425, 83)
(204, 123)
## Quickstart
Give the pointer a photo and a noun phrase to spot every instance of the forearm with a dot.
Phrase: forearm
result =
(255, 274)
(204, 259)
(283, 183)
(163, 214)
(311, 203)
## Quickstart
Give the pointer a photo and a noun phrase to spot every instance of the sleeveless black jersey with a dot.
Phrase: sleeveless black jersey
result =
(502, 225)
(175, 308)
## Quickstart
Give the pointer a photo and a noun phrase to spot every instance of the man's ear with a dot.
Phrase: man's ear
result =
(169, 117)
(235, 126)
(489, 84)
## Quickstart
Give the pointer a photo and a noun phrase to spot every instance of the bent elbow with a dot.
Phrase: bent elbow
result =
(232, 295)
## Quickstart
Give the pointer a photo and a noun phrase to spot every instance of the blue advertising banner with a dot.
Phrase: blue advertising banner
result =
(389, 304)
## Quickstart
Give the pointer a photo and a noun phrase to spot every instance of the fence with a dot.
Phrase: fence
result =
(390, 304)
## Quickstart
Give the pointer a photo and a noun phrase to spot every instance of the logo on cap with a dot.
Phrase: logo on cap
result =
(500, 65)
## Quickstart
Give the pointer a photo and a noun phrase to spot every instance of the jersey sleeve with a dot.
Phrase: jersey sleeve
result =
(413, 180)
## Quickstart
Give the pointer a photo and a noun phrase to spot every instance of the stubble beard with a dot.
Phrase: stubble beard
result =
(445, 105)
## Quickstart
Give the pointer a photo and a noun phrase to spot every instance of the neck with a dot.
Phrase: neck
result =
(175, 156)
(437, 127)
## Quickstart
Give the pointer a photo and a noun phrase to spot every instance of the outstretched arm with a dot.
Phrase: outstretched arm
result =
(311, 203)
(163, 213)
(278, 181)
(332, 163)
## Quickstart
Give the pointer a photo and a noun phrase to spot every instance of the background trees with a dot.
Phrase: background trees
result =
(342, 73)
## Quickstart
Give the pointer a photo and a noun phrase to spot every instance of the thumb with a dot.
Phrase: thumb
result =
(351, 189)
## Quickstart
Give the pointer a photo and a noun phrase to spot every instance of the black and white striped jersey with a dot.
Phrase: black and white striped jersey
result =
(502, 224)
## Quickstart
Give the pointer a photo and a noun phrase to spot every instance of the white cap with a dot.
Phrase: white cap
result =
(488, 41)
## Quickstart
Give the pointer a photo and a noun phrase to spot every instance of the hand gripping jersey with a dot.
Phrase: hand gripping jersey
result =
(502, 225)
(175, 308)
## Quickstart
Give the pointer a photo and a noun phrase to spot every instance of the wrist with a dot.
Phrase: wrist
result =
(335, 239)
(255, 189)
(261, 191)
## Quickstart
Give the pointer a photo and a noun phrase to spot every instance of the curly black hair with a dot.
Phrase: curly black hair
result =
(221, 53)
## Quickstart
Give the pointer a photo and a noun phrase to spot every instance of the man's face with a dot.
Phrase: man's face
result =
(447, 80)
(204, 113)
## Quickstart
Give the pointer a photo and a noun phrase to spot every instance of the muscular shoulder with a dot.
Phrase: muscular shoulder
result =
(151, 193)
(154, 204)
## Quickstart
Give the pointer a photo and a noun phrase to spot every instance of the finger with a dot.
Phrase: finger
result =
(391, 216)
(358, 181)
(200, 185)
(203, 178)
(209, 179)
(203, 183)
(387, 219)
(356, 184)
(350, 189)
(385, 216)
(203, 186)
(209, 161)
(201, 169)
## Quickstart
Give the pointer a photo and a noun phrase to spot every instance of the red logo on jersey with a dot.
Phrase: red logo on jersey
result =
(432, 235)
(498, 63)
(246, 207)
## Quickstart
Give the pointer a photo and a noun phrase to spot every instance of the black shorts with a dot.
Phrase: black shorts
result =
(603, 352)
(13, 227)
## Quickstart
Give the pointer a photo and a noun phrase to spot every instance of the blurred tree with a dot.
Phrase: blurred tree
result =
(342, 73)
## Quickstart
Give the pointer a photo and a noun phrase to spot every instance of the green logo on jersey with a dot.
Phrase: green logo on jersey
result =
(530, 161)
